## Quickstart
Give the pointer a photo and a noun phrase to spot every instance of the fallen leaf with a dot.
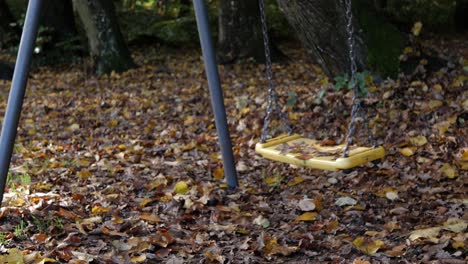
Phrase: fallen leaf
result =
(359, 261)
(138, 259)
(429, 233)
(150, 218)
(344, 201)
(218, 174)
(408, 152)
(455, 225)
(181, 187)
(14, 256)
(84, 174)
(261, 221)
(368, 245)
(162, 239)
(392, 196)
(418, 141)
(273, 248)
(449, 171)
(309, 216)
(295, 181)
(306, 205)
(416, 30)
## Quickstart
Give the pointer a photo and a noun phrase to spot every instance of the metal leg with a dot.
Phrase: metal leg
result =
(18, 87)
(217, 100)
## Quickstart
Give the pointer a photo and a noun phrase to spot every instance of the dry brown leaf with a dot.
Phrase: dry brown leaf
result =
(368, 245)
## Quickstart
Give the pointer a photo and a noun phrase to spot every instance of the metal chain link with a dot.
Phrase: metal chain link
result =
(273, 104)
(358, 103)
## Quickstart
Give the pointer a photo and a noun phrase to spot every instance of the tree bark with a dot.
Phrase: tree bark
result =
(7, 31)
(240, 34)
(461, 12)
(321, 27)
(6, 71)
(58, 15)
(106, 43)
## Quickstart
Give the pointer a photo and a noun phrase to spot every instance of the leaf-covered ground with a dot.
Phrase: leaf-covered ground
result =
(97, 161)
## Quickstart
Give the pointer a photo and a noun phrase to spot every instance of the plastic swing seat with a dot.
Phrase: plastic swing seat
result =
(300, 151)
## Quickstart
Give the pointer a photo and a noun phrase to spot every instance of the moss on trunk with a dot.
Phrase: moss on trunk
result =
(383, 40)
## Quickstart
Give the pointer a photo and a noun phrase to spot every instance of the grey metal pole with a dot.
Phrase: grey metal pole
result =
(216, 92)
(17, 91)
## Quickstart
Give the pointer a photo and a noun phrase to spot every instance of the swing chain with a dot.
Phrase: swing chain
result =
(273, 104)
(358, 103)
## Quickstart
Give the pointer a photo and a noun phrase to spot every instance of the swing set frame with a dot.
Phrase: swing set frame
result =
(20, 77)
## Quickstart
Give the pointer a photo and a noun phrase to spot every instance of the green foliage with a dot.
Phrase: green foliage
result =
(3, 238)
(435, 14)
(18, 179)
(362, 79)
(177, 31)
(319, 98)
(384, 41)
(43, 225)
(277, 22)
(164, 8)
(20, 230)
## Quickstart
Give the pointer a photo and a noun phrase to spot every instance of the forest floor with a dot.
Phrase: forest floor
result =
(97, 161)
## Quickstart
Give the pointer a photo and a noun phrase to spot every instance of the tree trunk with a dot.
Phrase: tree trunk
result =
(321, 27)
(7, 31)
(6, 71)
(240, 34)
(106, 43)
(58, 16)
(461, 12)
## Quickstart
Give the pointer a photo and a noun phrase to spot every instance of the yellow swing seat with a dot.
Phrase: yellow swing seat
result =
(301, 151)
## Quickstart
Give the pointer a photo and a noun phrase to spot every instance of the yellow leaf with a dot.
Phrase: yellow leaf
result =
(449, 171)
(437, 87)
(84, 174)
(190, 120)
(83, 162)
(113, 122)
(407, 152)
(272, 180)
(368, 245)
(99, 209)
(18, 202)
(442, 127)
(150, 218)
(416, 30)
(146, 201)
(138, 259)
(245, 110)
(418, 141)
(181, 187)
(309, 216)
(47, 260)
(14, 256)
(458, 244)
(295, 181)
(429, 233)
(463, 165)
(465, 155)
(455, 225)
(433, 104)
(218, 174)
(408, 50)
